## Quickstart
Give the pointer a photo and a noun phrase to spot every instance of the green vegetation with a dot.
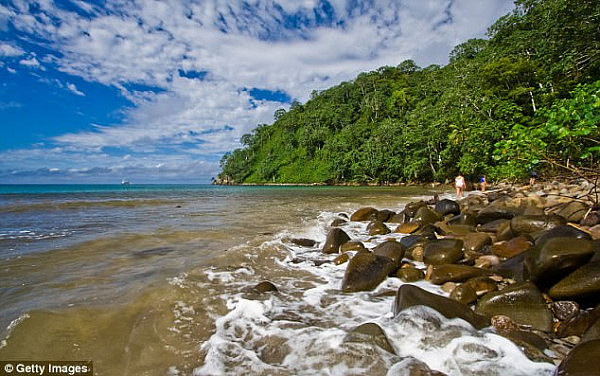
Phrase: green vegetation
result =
(527, 97)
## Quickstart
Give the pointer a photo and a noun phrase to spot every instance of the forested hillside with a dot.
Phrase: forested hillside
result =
(529, 96)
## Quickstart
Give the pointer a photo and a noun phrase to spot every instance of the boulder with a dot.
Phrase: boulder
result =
(548, 263)
(455, 273)
(522, 302)
(560, 232)
(377, 228)
(494, 212)
(527, 224)
(512, 268)
(493, 226)
(503, 232)
(426, 216)
(341, 259)
(447, 206)
(335, 239)
(513, 247)
(396, 218)
(579, 324)
(443, 251)
(352, 246)
(482, 285)
(574, 211)
(364, 214)
(445, 229)
(411, 295)
(593, 332)
(475, 241)
(564, 310)
(581, 361)
(412, 240)
(463, 294)
(303, 242)
(410, 274)
(338, 222)
(410, 366)
(366, 271)
(467, 218)
(582, 283)
(370, 333)
(407, 228)
(264, 286)
(592, 219)
(384, 215)
(410, 209)
(392, 250)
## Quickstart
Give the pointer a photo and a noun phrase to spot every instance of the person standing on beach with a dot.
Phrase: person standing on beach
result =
(460, 183)
(482, 183)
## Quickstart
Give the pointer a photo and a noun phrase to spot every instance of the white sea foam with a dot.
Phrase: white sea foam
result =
(302, 332)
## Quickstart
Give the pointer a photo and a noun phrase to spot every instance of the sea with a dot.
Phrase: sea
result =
(157, 280)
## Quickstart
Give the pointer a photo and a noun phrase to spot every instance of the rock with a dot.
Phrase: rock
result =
(513, 247)
(475, 241)
(595, 232)
(579, 361)
(392, 250)
(410, 274)
(564, 310)
(443, 251)
(264, 286)
(494, 212)
(512, 268)
(384, 215)
(493, 226)
(412, 240)
(561, 232)
(352, 246)
(366, 271)
(335, 239)
(463, 219)
(482, 285)
(447, 287)
(487, 261)
(582, 283)
(302, 242)
(504, 232)
(592, 219)
(377, 228)
(522, 302)
(527, 224)
(396, 218)
(410, 209)
(592, 333)
(445, 229)
(416, 253)
(338, 222)
(574, 211)
(341, 259)
(407, 228)
(455, 273)
(548, 263)
(410, 366)
(447, 206)
(463, 294)
(411, 295)
(504, 324)
(370, 333)
(578, 324)
(364, 214)
(426, 216)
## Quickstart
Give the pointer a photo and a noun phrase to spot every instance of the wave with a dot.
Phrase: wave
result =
(75, 205)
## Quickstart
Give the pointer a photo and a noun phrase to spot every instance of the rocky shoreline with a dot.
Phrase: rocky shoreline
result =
(523, 260)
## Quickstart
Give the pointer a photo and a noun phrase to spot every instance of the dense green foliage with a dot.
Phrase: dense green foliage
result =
(528, 96)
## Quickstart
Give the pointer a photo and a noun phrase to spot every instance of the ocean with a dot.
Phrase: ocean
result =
(154, 280)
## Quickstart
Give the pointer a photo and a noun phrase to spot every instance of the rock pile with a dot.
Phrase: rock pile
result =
(525, 261)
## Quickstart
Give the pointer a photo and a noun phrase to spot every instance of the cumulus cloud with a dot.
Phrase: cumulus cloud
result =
(9, 50)
(73, 89)
(290, 46)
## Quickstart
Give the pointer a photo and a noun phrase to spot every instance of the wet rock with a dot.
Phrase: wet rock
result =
(482, 285)
(582, 283)
(504, 232)
(513, 247)
(527, 224)
(412, 240)
(574, 211)
(338, 222)
(377, 228)
(578, 324)
(578, 362)
(416, 253)
(410, 209)
(504, 323)
(352, 246)
(493, 226)
(447, 287)
(592, 219)
(264, 286)
(366, 271)
(370, 333)
(494, 212)
(548, 263)
(411, 295)
(364, 214)
(384, 215)
(396, 218)
(595, 232)
(443, 251)
(303, 242)
(475, 241)
(335, 239)
(443, 228)
(446, 206)
(410, 274)
(486, 261)
(522, 302)
(564, 310)
(426, 216)
(592, 333)
(455, 273)
(392, 250)
(341, 259)
(463, 294)
(407, 228)
(561, 232)
(410, 366)
(273, 349)
(512, 268)
(463, 219)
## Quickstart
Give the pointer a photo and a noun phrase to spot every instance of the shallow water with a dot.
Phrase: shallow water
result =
(151, 280)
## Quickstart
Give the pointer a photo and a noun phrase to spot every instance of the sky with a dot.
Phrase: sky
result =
(157, 91)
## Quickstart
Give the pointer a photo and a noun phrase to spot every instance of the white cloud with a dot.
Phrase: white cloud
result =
(73, 89)
(149, 42)
(9, 50)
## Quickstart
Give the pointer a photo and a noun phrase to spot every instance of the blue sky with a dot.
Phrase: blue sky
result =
(157, 91)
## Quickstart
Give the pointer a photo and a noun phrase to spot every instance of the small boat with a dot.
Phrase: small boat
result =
(124, 182)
